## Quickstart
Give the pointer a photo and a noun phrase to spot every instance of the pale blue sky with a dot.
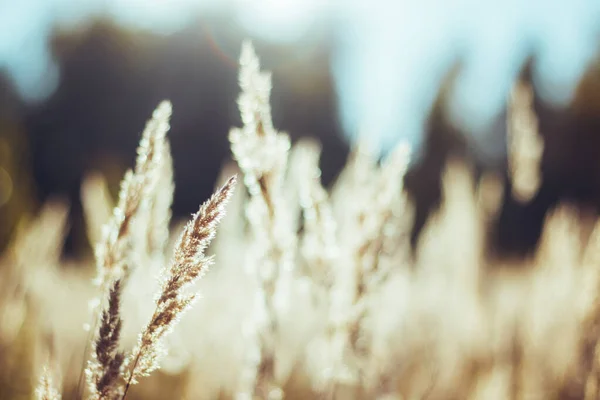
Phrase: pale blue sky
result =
(392, 56)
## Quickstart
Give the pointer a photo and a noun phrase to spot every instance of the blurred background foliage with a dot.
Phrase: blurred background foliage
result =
(105, 76)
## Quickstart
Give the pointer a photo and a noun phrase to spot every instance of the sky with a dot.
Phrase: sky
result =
(392, 56)
(389, 56)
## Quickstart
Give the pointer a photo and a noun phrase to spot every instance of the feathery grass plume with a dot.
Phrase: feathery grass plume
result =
(558, 284)
(560, 244)
(160, 207)
(150, 237)
(150, 233)
(388, 243)
(353, 292)
(112, 251)
(37, 245)
(292, 182)
(525, 145)
(33, 255)
(490, 190)
(318, 255)
(356, 175)
(356, 178)
(261, 153)
(104, 369)
(232, 228)
(459, 217)
(97, 205)
(188, 264)
(439, 334)
(589, 344)
(46, 389)
(585, 378)
(319, 247)
(392, 216)
(40, 242)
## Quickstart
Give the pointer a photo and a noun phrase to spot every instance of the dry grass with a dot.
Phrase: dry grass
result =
(316, 293)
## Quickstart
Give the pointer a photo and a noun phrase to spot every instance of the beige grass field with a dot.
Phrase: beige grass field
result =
(305, 292)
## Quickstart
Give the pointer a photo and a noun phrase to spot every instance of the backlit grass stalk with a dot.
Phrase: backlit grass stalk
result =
(261, 153)
(104, 369)
(352, 293)
(189, 264)
(46, 389)
(525, 144)
(114, 255)
(114, 249)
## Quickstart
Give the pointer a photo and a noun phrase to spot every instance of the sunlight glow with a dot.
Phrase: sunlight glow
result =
(279, 20)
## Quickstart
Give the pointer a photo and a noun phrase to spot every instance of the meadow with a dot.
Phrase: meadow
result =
(306, 291)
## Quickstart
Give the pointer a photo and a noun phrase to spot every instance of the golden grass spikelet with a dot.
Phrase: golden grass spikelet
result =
(262, 155)
(256, 89)
(104, 368)
(355, 176)
(46, 389)
(525, 144)
(188, 264)
(114, 251)
(40, 241)
(319, 247)
(260, 150)
(160, 207)
(490, 190)
(34, 252)
(111, 252)
(97, 205)
(373, 222)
